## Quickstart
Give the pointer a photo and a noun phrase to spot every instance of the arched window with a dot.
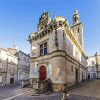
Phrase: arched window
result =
(78, 30)
(75, 19)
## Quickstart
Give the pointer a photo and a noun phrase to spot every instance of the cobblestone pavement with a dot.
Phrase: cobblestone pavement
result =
(14, 92)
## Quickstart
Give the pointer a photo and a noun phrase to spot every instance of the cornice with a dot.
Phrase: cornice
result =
(51, 27)
(58, 53)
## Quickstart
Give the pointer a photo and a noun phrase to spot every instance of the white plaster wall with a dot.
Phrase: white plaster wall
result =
(12, 59)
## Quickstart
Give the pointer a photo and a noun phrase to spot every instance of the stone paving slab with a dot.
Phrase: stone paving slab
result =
(90, 89)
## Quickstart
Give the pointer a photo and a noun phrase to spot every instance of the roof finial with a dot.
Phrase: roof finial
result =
(76, 12)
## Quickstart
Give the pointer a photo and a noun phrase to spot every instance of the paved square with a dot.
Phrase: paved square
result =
(89, 91)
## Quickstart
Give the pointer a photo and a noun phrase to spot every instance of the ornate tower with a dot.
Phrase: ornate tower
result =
(44, 21)
(77, 27)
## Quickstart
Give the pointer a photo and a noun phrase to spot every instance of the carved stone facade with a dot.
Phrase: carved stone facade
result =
(57, 53)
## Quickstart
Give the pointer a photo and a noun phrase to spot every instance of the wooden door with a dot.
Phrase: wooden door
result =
(42, 73)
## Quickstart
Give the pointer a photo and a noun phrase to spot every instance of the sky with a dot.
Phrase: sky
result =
(18, 18)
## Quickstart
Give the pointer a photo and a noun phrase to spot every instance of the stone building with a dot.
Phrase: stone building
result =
(94, 66)
(23, 66)
(91, 65)
(3, 66)
(13, 68)
(57, 51)
(8, 65)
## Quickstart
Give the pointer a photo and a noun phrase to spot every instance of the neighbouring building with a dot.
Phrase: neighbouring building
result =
(23, 66)
(92, 69)
(13, 66)
(57, 51)
(94, 66)
(3, 66)
(8, 66)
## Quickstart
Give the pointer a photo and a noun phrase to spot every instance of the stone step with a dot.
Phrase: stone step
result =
(27, 91)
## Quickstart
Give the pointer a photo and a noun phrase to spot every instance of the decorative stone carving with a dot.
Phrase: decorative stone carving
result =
(44, 21)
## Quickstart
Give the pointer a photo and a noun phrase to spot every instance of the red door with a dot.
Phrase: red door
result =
(42, 73)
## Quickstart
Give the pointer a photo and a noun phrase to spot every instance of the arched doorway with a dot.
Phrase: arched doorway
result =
(76, 75)
(42, 73)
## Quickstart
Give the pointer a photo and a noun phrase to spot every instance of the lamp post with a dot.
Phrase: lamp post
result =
(96, 63)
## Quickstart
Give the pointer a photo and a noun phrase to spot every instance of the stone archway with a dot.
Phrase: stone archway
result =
(42, 73)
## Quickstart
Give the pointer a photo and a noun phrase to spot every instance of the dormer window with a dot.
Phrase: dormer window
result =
(43, 49)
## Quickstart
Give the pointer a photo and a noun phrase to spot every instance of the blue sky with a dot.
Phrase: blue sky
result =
(18, 18)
